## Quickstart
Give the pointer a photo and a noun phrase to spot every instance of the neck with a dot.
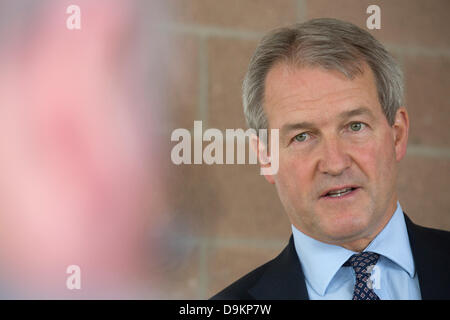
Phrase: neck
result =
(358, 245)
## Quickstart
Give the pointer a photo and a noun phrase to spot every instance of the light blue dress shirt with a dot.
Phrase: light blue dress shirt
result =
(393, 278)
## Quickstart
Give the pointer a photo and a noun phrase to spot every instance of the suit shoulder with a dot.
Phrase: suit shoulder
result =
(436, 236)
(425, 239)
(238, 290)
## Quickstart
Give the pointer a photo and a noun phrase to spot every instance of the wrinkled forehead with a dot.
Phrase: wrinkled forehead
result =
(289, 88)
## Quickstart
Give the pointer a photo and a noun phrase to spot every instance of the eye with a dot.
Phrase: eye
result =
(301, 137)
(356, 126)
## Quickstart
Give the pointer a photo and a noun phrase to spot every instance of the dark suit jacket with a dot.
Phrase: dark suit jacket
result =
(282, 277)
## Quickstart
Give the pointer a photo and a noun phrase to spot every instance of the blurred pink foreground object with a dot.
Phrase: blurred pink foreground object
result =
(76, 168)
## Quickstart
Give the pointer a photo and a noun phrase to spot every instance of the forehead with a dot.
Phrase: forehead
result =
(315, 92)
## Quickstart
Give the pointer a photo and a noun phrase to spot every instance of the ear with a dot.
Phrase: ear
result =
(401, 129)
(262, 152)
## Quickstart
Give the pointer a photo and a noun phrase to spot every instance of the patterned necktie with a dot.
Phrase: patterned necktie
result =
(363, 263)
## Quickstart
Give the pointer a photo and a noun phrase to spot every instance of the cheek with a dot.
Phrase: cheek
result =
(376, 159)
(294, 176)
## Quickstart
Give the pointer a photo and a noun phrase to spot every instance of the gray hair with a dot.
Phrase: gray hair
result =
(328, 43)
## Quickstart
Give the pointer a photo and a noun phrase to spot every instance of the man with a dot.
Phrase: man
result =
(335, 94)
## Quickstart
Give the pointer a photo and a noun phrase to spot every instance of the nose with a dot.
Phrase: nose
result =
(334, 159)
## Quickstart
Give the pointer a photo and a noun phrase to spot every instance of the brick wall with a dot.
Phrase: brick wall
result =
(226, 220)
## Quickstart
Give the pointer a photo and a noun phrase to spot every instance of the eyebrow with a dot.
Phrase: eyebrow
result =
(342, 116)
(361, 111)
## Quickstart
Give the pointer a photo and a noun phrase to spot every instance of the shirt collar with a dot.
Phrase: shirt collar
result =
(393, 242)
(320, 261)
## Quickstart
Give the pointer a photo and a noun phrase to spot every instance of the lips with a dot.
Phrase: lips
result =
(339, 191)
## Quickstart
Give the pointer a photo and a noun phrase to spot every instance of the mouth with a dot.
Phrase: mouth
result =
(339, 192)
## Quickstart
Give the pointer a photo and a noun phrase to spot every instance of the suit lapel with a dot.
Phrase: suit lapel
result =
(283, 278)
(432, 262)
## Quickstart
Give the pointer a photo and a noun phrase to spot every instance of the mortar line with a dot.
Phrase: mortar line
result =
(203, 270)
(406, 50)
(302, 12)
(206, 31)
(428, 151)
(203, 81)
(221, 242)
(211, 31)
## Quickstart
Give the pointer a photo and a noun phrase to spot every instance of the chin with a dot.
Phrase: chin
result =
(345, 227)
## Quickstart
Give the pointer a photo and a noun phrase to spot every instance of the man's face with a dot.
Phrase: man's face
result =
(338, 153)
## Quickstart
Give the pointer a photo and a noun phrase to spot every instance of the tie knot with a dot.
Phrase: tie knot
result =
(361, 261)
